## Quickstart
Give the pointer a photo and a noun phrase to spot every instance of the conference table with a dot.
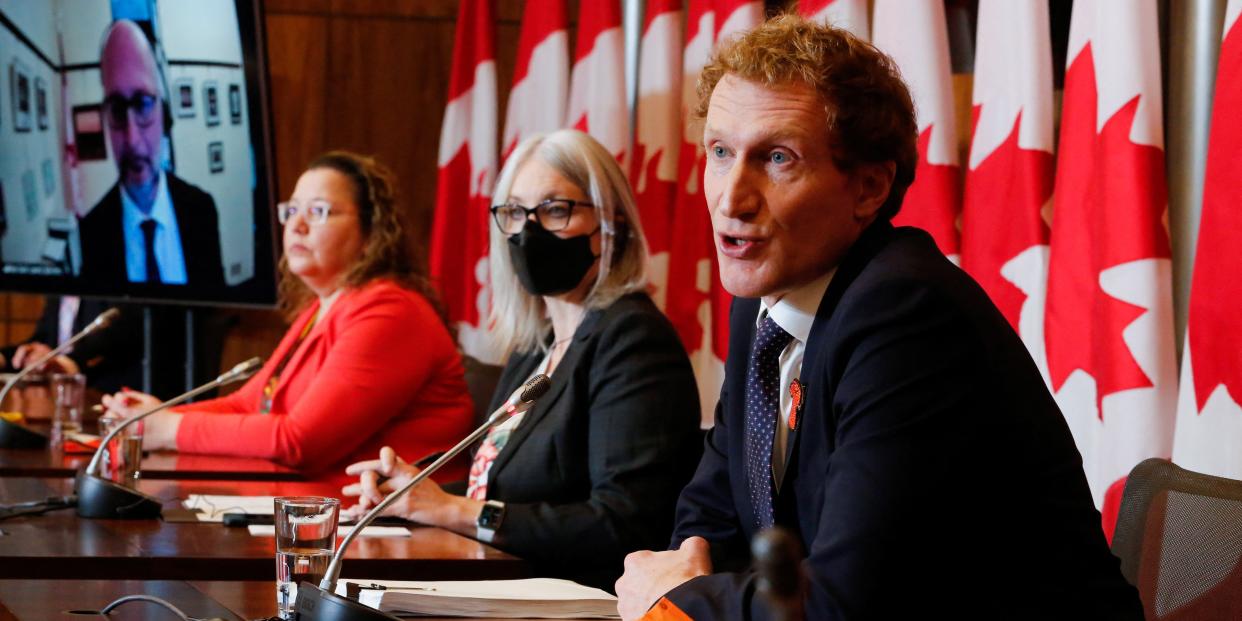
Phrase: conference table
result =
(35, 401)
(26, 600)
(60, 545)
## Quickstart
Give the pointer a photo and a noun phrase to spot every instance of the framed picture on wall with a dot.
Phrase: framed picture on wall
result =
(211, 103)
(41, 103)
(49, 177)
(215, 157)
(183, 98)
(235, 104)
(19, 86)
(88, 132)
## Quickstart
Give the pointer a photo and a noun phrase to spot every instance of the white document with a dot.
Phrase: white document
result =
(212, 508)
(268, 530)
(534, 598)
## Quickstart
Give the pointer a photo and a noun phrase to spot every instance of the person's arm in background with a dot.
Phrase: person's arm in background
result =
(643, 445)
(367, 378)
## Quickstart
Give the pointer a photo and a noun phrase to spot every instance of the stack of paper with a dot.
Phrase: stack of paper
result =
(535, 598)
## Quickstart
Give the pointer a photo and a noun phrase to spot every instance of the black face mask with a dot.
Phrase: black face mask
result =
(547, 264)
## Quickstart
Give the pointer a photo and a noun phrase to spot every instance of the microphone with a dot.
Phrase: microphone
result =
(101, 498)
(13, 435)
(322, 603)
(778, 564)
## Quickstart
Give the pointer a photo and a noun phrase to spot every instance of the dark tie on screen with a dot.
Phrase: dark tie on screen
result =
(763, 398)
(148, 243)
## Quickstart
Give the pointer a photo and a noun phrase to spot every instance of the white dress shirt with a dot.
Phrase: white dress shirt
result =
(794, 313)
(168, 249)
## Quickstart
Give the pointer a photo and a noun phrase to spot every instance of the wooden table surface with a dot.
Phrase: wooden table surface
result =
(25, 600)
(55, 463)
(61, 545)
(35, 401)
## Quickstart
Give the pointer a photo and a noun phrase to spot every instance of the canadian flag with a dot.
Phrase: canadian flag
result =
(848, 14)
(1209, 419)
(467, 162)
(915, 34)
(541, 74)
(657, 141)
(1109, 323)
(1008, 198)
(597, 101)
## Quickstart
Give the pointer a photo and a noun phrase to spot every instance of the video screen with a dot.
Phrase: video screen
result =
(135, 151)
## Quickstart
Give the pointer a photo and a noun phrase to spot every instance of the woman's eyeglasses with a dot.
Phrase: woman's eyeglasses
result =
(315, 212)
(552, 214)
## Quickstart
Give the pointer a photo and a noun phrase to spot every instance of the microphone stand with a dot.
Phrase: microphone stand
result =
(322, 603)
(13, 435)
(101, 498)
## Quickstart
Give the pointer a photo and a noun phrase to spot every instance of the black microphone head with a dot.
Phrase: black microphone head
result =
(534, 388)
(105, 318)
(778, 562)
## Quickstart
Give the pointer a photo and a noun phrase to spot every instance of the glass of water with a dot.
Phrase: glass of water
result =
(69, 394)
(123, 455)
(305, 538)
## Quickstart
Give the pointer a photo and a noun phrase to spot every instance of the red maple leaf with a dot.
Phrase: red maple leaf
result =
(1001, 215)
(932, 200)
(692, 228)
(1216, 290)
(1110, 196)
(655, 201)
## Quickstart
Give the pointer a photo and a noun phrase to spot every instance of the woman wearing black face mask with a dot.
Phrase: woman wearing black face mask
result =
(593, 470)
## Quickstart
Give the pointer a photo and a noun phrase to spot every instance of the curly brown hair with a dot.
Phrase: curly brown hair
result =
(869, 108)
(387, 251)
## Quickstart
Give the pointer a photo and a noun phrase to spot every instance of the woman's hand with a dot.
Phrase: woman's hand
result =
(159, 430)
(427, 503)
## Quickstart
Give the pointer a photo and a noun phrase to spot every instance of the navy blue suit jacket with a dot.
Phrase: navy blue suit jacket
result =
(931, 471)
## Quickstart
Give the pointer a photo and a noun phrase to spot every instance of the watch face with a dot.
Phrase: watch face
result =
(490, 516)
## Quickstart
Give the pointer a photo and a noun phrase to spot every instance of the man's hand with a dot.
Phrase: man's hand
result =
(649, 575)
(29, 352)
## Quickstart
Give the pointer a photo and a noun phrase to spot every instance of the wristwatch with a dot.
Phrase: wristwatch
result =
(490, 517)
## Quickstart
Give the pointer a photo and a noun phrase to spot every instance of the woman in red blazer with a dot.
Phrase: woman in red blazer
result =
(367, 362)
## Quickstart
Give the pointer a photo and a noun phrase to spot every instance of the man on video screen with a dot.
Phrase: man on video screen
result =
(151, 228)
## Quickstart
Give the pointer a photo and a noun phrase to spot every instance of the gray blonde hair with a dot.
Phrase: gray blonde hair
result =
(518, 319)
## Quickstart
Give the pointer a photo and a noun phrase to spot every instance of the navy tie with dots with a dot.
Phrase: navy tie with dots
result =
(763, 399)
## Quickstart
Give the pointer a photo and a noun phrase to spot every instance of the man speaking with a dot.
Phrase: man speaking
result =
(151, 227)
(875, 403)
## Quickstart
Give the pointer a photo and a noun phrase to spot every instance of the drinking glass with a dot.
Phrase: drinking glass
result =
(123, 455)
(69, 394)
(305, 538)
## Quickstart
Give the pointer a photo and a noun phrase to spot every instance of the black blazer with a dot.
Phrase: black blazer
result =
(103, 240)
(931, 474)
(593, 470)
(109, 358)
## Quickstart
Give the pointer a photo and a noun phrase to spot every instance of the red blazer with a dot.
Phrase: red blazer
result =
(379, 369)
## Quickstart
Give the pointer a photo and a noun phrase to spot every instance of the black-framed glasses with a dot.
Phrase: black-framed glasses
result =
(552, 214)
(315, 211)
(117, 109)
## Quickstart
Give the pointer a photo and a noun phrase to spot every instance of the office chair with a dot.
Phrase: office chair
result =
(1179, 538)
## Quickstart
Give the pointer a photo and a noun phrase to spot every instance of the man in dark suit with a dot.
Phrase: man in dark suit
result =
(876, 404)
(151, 228)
